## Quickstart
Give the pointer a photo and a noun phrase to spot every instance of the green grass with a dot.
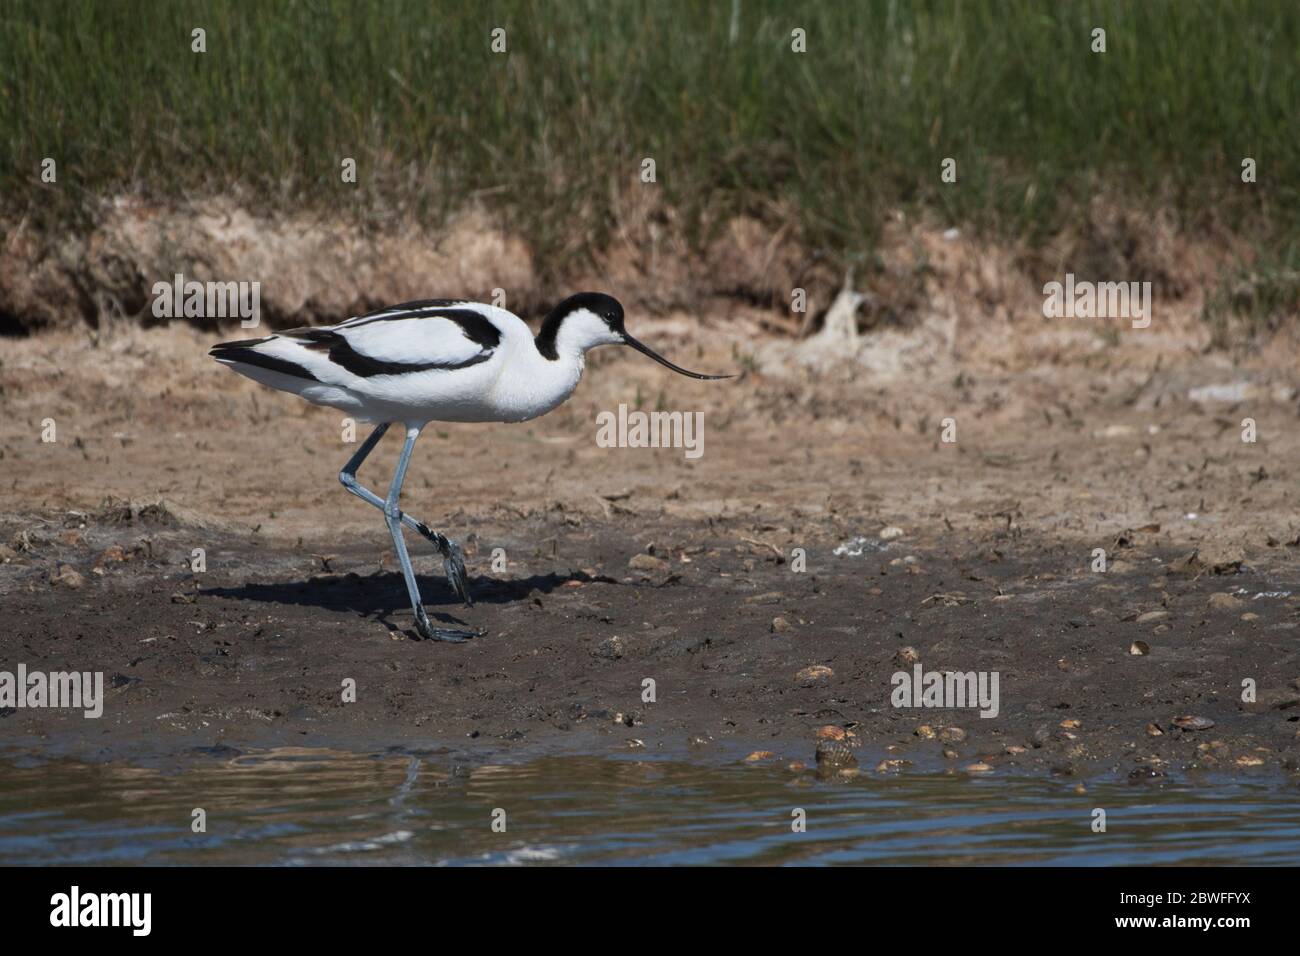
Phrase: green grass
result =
(1253, 301)
(551, 132)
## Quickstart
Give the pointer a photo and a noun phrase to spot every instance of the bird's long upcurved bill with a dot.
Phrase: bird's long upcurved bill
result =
(646, 350)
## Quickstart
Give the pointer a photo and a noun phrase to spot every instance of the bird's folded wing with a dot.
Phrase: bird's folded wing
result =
(414, 337)
(398, 343)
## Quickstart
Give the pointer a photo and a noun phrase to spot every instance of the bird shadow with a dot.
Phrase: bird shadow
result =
(378, 596)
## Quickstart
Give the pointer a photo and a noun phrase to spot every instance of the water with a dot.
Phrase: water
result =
(300, 807)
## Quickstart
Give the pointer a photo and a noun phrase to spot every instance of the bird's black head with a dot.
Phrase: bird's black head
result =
(589, 319)
(604, 307)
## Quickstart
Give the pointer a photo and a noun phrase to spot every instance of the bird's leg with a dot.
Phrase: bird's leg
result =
(453, 561)
(348, 476)
(393, 515)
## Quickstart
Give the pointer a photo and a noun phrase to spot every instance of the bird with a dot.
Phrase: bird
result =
(444, 360)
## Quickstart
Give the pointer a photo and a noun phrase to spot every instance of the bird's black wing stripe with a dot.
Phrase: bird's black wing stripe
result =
(242, 343)
(422, 309)
(241, 352)
(413, 306)
(342, 354)
(477, 328)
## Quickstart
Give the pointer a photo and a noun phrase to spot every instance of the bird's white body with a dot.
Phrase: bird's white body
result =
(436, 360)
(501, 377)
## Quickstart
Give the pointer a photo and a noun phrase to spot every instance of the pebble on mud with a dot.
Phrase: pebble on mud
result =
(67, 577)
(891, 532)
(1153, 730)
(758, 755)
(1216, 560)
(1151, 616)
(812, 675)
(1189, 722)
(780, 625)
(647, 562)
(925, 732)
(979, 767)
(610, 649)
(113, 553)
(907, 656)
(909, 564)
(1223, 601)
(952, 735)
(1139, 648)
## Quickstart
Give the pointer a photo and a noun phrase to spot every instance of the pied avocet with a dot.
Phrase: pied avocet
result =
(435, 360)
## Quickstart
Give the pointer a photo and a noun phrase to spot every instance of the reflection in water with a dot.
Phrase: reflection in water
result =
(313, 807)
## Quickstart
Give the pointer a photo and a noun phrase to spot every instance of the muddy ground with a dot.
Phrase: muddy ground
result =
(627, 564)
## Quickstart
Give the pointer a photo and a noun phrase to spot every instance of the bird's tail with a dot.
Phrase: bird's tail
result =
(273, 354)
